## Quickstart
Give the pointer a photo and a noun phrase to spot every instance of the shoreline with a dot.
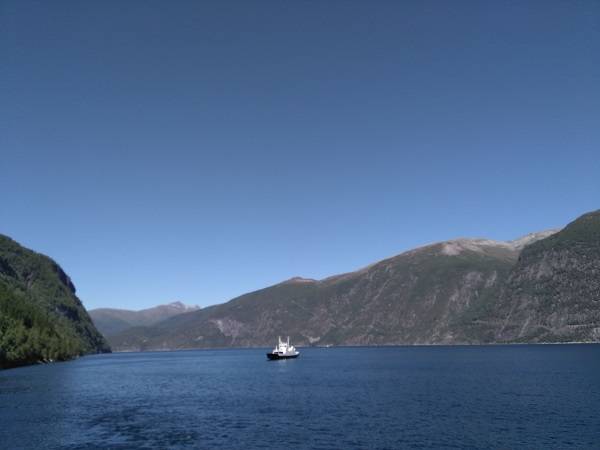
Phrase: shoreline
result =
(495, 344)
(259, 347)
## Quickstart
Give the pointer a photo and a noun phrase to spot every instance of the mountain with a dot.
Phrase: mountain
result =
(113, 321)
(553, 292)
(418, 297)
(41, 318)
(544, 287)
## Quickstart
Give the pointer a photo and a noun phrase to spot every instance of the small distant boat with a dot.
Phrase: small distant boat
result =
(283, 350)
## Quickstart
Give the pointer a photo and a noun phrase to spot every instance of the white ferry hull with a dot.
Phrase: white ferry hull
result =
(273, 356)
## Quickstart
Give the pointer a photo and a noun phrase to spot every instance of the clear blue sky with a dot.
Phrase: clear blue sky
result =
(200, 150)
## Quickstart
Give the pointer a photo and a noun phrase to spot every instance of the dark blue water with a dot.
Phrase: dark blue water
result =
(337, 398)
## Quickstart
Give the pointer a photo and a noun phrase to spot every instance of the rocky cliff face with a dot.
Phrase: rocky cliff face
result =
(421, 296)
(553, 293)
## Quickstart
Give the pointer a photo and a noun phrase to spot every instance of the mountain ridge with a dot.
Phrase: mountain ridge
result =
(516, 244)
(416, 297)
(110, 321)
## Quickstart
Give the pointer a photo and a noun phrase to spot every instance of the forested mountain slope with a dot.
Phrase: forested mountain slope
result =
(41, 318)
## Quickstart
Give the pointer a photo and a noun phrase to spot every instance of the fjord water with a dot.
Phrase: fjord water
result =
(544, 396)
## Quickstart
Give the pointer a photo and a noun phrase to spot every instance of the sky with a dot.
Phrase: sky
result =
(196, 151)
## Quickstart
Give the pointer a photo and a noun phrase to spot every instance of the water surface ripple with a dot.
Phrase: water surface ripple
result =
(336, 398)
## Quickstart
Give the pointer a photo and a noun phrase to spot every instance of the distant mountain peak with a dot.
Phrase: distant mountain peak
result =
(530, 238)
(182, 306)
(457, 246)
(300, 280)
(111, 321)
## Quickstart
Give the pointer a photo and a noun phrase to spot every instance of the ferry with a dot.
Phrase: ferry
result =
(283, 350)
